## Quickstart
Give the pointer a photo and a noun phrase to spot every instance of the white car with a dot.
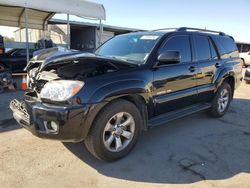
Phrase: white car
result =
(244, 50)
(245, 56)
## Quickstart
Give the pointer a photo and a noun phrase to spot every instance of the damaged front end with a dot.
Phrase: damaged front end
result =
(68, 66)
(50, 104)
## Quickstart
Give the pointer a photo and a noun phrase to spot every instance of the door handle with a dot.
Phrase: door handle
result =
(191, 68)
(217, 65)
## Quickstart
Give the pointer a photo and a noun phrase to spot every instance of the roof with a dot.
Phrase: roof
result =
(106, 27)
(40, 11)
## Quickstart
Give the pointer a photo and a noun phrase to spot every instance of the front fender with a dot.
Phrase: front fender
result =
(120, 88)
(103, 95)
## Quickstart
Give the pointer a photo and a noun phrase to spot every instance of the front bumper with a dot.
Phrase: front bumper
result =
(38, 117)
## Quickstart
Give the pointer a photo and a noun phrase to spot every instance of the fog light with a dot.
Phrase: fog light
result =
(54, 126)
(51, 126)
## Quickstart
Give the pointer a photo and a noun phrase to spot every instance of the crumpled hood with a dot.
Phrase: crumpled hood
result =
(52, 56)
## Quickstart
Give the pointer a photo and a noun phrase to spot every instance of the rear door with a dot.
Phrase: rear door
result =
(207, 63)
(175, 84)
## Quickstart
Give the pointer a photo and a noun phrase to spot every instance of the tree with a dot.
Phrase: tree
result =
(8, 39)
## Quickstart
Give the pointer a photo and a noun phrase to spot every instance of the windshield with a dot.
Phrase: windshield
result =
(133, 48)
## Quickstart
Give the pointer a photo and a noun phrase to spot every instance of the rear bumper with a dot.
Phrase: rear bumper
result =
(64, 123)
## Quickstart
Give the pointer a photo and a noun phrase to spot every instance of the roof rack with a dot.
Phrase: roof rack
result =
(197, 29)
(165, 29)
(184, 29)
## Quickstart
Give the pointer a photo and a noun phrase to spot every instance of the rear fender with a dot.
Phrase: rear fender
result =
(222, 75)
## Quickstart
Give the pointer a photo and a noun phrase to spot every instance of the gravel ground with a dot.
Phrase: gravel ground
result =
(195, 151)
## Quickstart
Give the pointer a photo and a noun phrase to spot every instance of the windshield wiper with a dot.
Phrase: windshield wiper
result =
(126, 60)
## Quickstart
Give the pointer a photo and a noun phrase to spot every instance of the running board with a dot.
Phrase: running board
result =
(170, 116)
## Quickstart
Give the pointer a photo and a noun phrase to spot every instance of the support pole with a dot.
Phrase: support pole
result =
(27, 35)
(101, 33)
(68, 32)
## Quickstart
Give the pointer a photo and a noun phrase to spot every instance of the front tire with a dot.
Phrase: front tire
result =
(115, 131)
(221, 101)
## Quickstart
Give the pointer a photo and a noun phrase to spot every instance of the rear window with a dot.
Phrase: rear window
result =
(227, 47)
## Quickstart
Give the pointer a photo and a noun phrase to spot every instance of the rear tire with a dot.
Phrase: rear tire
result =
(221, 101)
(115, 131)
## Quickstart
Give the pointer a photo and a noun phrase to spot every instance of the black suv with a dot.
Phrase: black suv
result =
(132, 82)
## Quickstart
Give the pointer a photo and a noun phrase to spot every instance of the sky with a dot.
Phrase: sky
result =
(229, 16)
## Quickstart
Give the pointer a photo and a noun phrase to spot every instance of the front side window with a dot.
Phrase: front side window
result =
(134, 48)
(180, 44)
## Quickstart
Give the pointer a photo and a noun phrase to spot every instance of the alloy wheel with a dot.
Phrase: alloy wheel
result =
(119, 132)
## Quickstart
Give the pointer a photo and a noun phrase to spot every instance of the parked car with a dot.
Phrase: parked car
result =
(2, 49)
(247, 75)
(244, 50)
(132, 82)
(15, 60)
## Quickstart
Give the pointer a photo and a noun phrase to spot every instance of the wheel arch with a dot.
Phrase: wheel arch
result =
(94, 110)
(243, 61)
(227, 77)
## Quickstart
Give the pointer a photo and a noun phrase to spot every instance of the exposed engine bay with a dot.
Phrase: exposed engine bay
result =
(79, 70)
(69, 67)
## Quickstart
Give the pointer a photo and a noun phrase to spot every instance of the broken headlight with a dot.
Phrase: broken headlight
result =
(60, 90)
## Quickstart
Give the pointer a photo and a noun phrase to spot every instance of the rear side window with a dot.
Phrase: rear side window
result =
(202, 48)
(181, 44)
(226, 46)
(213, 51)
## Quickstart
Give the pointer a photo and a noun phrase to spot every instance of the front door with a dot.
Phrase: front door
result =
(175, 84)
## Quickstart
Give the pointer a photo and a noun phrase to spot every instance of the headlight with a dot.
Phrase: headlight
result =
(60, 90)
(248, 69)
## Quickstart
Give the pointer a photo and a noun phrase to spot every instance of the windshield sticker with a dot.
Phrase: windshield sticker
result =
(149, 37)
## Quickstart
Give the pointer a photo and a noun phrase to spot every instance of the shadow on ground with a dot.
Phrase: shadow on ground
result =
(184, 151)
(8, 125)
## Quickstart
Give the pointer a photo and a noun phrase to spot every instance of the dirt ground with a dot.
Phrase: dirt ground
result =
(195, 151)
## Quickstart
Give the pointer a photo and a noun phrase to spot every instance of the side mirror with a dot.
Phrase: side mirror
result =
(169, 57)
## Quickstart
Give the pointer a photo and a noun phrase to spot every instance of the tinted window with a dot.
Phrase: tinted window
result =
(227, 47)
(132, 47)
(22, 52)
(181, 44)
(202, 48)
(213, 51)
